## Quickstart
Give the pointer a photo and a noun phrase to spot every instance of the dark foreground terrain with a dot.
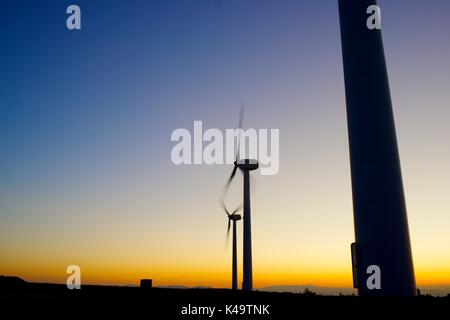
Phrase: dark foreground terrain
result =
(158, 303)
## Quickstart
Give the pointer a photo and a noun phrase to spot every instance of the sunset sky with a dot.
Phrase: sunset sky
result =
(86, 119)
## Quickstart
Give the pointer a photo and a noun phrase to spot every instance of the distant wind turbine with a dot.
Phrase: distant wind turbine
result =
(233, 217)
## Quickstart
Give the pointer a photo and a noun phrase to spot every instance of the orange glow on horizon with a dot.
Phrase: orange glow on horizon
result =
(212, 278)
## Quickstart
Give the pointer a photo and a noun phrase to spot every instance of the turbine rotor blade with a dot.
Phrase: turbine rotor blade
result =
(237, 209)
(233, 173)
(228, 229)
(222, 203)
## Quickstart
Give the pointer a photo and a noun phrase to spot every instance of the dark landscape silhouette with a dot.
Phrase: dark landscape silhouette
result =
(18, 294)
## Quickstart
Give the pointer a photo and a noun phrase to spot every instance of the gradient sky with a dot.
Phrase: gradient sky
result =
(86, 118)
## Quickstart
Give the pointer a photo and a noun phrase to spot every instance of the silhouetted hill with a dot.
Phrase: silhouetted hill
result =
(182, 287)
(318, 290)
(8, 282)
(437, 291)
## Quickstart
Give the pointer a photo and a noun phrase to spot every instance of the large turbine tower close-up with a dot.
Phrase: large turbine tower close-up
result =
(381, 224)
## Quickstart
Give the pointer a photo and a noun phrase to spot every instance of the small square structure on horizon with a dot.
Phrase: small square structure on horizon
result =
(146, 283)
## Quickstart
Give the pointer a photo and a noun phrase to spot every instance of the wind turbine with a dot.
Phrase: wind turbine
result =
(245, 165)
(233, 217)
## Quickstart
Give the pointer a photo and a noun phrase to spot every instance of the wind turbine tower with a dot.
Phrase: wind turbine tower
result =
(246, 166)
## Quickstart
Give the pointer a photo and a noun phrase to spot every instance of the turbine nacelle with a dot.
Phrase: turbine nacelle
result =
(247, 164)
(235, 217)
